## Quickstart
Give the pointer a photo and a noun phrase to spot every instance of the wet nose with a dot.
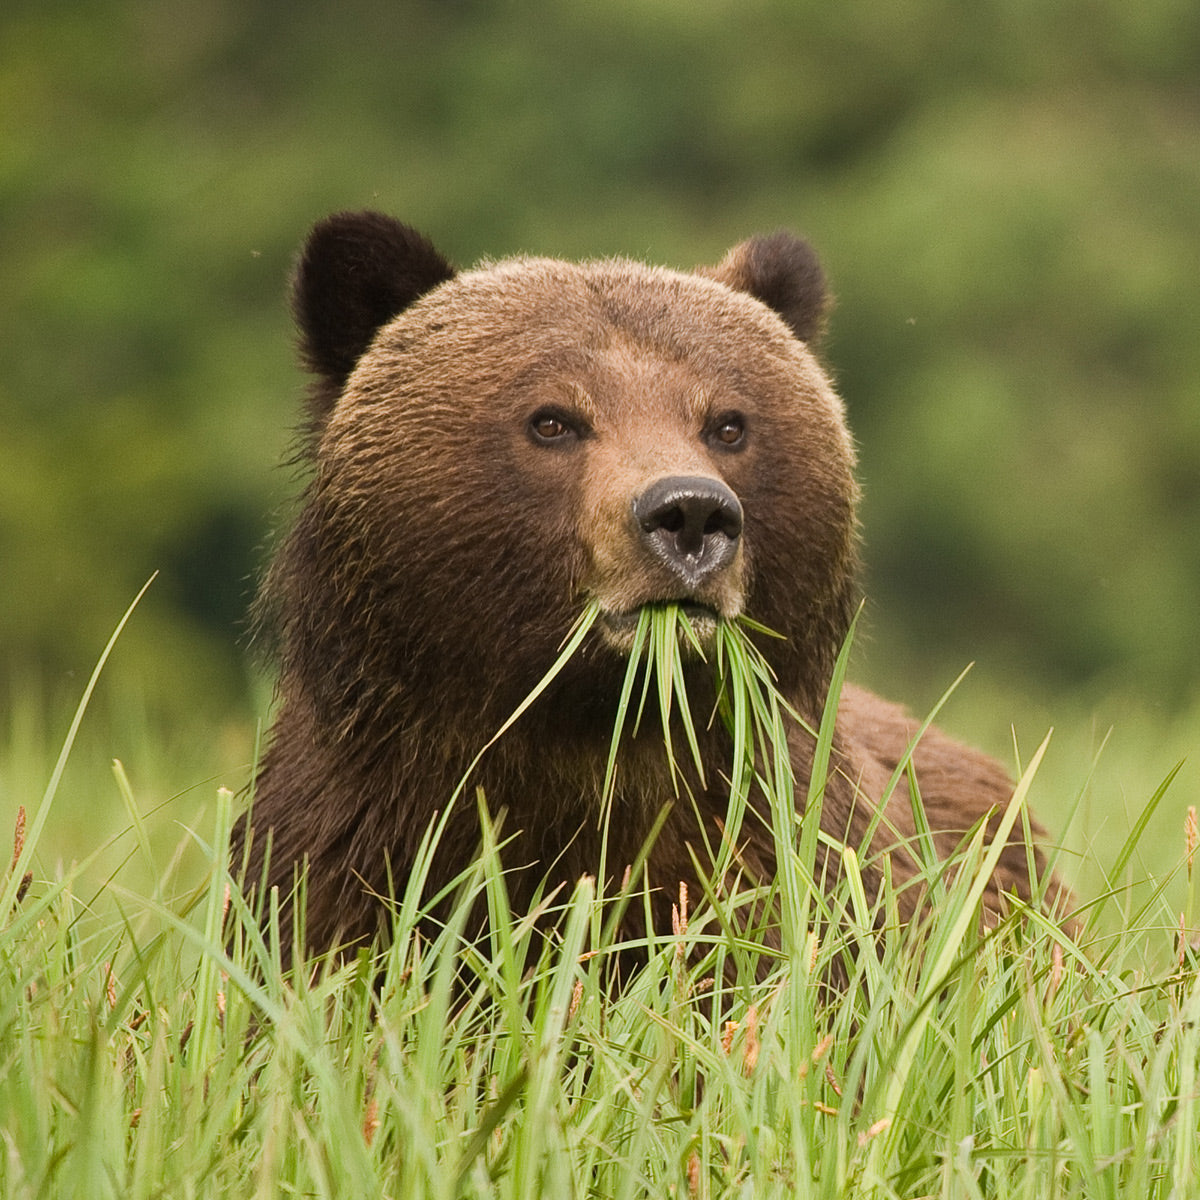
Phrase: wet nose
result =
(690, 523)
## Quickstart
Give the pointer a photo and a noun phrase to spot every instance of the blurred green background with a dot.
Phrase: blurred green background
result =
(1006, 196)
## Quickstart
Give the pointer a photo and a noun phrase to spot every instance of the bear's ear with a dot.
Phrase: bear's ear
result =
(783, 272)
(355, 273)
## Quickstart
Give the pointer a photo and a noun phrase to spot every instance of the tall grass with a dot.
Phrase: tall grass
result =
(149, 1054)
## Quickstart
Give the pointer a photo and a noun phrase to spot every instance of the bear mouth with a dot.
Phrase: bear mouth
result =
(619, 628)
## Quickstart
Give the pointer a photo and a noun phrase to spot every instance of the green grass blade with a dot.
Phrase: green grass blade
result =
(33, 833)
(572, 643)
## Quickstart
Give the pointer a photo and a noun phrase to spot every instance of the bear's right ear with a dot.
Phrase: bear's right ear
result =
(782, 271)
(355, 273)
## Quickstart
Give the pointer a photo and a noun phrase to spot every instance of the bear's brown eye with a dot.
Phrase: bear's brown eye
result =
(549, 427)
(729, 430)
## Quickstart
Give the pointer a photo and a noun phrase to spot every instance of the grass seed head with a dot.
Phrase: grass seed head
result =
(1191, 836)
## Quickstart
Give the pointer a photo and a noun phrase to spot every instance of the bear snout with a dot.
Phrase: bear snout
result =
(689, 523)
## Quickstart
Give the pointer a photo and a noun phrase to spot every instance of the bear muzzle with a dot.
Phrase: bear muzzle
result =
(681, 543)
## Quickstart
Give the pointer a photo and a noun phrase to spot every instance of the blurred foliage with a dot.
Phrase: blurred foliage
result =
(1005, 195)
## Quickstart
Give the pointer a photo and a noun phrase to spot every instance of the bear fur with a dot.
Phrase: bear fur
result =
(485, 448)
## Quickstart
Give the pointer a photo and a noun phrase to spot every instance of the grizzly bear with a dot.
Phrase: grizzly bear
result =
(493, 449)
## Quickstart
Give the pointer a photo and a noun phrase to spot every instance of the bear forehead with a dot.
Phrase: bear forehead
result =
(552, 304)
(520, 322)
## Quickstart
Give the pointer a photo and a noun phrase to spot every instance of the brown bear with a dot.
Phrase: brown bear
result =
(490, 451)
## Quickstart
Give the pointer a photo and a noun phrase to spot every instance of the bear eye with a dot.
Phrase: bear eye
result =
(547, 426)
(728, 430)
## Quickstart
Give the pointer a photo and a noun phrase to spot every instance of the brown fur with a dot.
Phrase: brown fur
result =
(443, 551)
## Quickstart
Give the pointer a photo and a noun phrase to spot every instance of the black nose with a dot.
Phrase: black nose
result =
(691, 523)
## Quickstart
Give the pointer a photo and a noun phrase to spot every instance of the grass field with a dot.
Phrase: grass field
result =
(145, 1054)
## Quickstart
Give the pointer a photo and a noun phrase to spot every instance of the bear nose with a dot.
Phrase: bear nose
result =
(691, 523)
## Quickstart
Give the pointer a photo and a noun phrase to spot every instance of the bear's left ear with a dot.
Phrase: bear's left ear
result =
(783, 272)
(356, 272)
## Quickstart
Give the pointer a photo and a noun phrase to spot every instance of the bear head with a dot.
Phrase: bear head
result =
(494, 448)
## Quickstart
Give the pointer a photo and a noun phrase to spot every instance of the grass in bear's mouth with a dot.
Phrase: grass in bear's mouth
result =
(663, 639)
(747, 701)
(698, 628)
(656, 650)
(693, 610)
